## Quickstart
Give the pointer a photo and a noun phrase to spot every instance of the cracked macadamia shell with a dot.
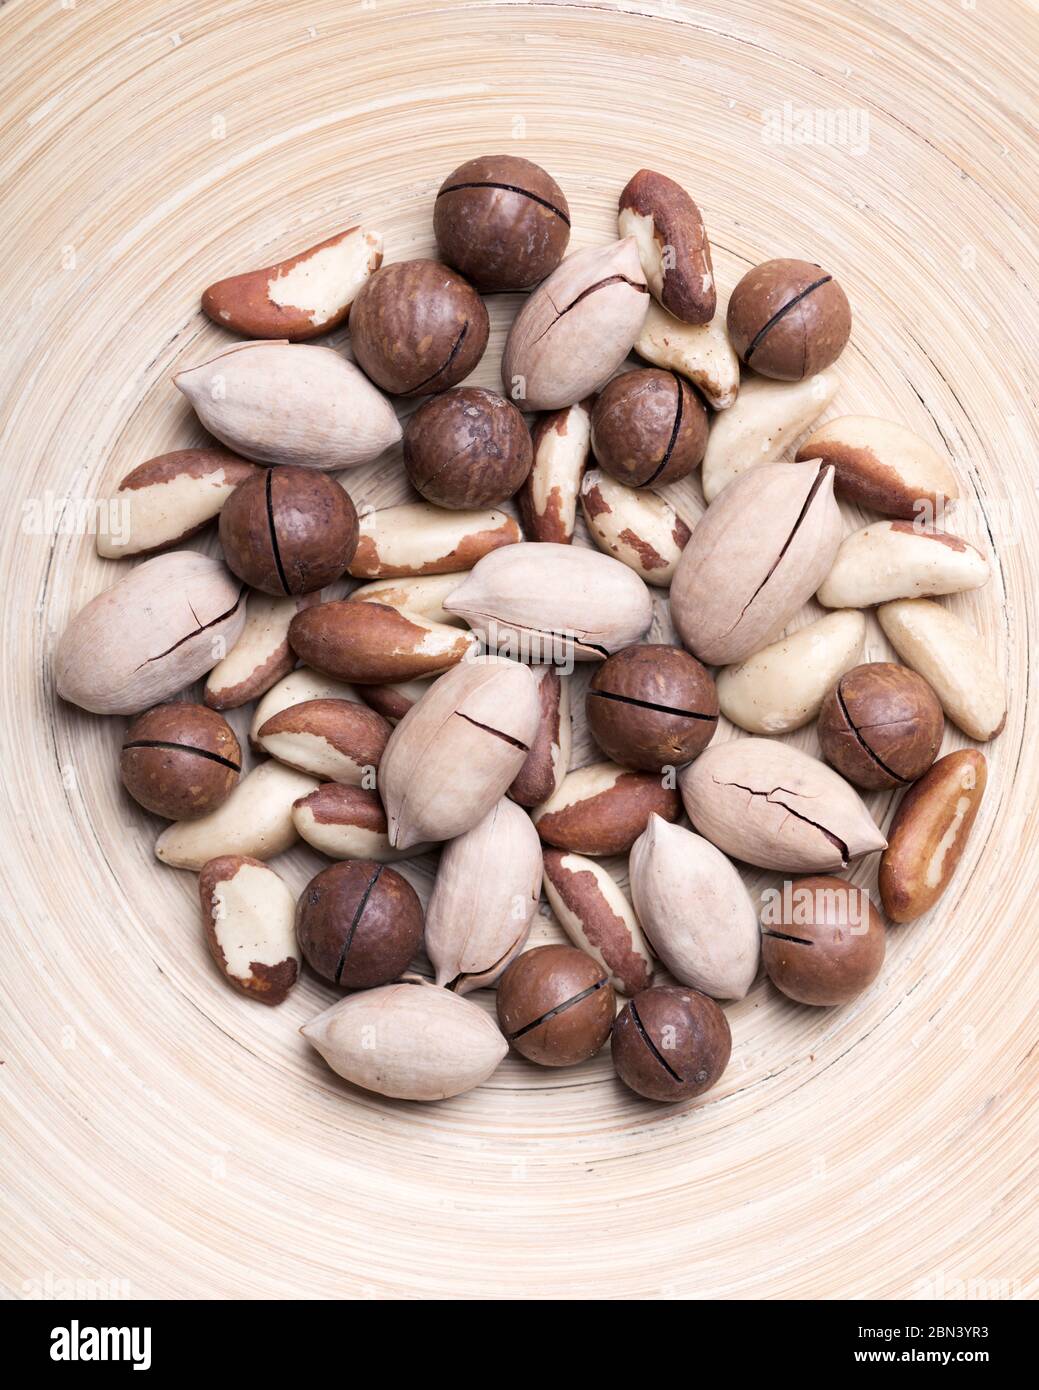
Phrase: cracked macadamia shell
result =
(671, 1043)
(288, 531)
(555, 1006)
(651, 707)
(416, 327)
(649, 427)
(788, 319)
(180, 760)
(359, 923)
(825, 944)
(502, 221)
(881, 725)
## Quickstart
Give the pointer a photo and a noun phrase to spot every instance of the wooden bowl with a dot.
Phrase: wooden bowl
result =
(167, 1138)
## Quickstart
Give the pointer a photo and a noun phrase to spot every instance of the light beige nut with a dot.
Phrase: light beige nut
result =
(695, 910)
(334, 739)
(769, 804)
(562, 442)
(591, 908)
(782, 686)
(765, 421)
(897, 559)
(394, 700)
(372, 644)
(884, 466)
(421, 594)
(292, 403)
(953, 661)
(261, 657)
(154, 632)
(484, 899)
(410, 1040)
(249, 917)
(548, 761)
(169, 498)
(454, 754)
(301, 684)
(558, 603)
(673, 247)
(758, 552)
(347, 823)
(576, 328)
(255, 820)
(603, 809)
(929, 833)
(301, 296)
(417, 539)
(700, 352)
(635, 525)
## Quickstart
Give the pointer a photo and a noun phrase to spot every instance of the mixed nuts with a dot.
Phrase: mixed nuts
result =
(431, 711)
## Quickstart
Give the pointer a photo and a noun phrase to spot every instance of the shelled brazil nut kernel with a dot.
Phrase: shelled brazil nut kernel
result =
(673, 245)
(247, 915)
(298, 297)
(634, 525)
(929, 834)
(171, 498)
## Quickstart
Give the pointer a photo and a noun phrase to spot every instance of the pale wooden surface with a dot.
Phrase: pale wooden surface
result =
(162, 1131)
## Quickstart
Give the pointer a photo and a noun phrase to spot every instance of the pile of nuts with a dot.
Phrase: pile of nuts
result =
(427, 704)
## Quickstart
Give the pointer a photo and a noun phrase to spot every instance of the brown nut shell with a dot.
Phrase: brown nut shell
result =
(288, 530)
(180, 761)
(359, 923)
(825, 944)
(881, 725)
(652, 706)
(788, 319)
(416, 327)
(648, 427)
(555, 1005)
(929, 833)
(502, 221)
(671, 1043)
(467, 448)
